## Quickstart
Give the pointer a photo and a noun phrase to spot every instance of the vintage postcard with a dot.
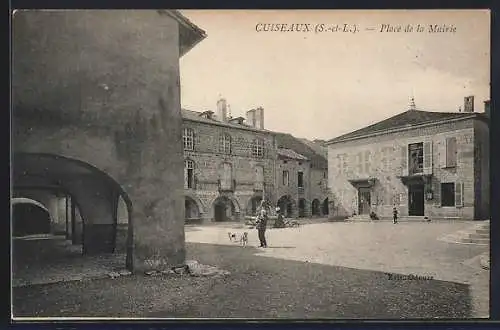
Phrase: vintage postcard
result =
(250, 164)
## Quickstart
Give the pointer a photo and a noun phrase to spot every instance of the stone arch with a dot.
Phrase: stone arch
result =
(315, 207)
(29, 217)
(225, 208)
(253, 204)
(326, 206)
(194, 208)
(94, 192)
(287, 206)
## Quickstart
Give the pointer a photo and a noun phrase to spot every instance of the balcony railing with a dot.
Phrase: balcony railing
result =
(226, 186)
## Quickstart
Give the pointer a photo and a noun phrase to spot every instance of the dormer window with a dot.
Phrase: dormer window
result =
(207, 114)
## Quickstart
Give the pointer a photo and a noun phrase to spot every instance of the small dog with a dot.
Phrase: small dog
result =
(241, 238)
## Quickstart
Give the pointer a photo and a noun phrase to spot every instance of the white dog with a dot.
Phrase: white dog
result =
(236, 237)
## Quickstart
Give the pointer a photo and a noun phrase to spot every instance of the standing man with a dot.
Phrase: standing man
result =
(262, 224)
(394, 215)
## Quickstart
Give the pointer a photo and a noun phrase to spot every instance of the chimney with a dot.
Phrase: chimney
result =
(469, 104)
(259, 118)
(487, 108)
(251, 117)
(222, 110)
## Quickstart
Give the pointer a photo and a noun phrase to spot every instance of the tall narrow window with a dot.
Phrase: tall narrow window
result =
(259, 177)
(451, 152)
(258, 148)
(189, 174)
(367, 162)
(225, 143)
(188, 138)
(300, 179)
(286, 180)
(226, 177)
(359, 161)
(416, 158)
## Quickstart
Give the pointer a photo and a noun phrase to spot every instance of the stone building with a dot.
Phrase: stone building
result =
(302, 177)
(228, 163)
(232, 163)
(97, 122)
(433, 164)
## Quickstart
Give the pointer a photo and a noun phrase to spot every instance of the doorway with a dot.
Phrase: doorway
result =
(416, 200)
(364, 200)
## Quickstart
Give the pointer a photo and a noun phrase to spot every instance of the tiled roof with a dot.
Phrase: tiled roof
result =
(406, 119)
(196, 116)
(319, 149)
(288, 141)
(289, 153)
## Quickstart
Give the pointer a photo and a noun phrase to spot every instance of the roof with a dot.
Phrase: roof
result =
(189, 34)
(22, 200)
(318, 148)
(288, 141)
(196, 116)
(405, 120)
(289, 153)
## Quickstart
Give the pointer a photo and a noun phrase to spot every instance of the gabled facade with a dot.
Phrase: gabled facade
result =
(423, 163)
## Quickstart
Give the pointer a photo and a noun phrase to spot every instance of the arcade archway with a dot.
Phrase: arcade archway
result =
(315, 207)
(192, 210)
(83, 203)
(325, 207)
(253, 205)
(302, 207)
(224, 209)
(286, 205)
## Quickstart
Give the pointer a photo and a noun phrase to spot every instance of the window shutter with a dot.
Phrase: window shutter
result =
(451, 152)
(442, 153)
(185, 176)
(428, 157)
(367, 162)
(459, 194)
(404, 160)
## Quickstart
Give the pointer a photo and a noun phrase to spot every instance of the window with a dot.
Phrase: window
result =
(451, 152)
(258, 148)
(359, 161)
(259, 177)
(225, 143)
(189, 174)
(300, 179)
(227, 177)
(385, 158)
(416, 158)
(324, 175)
(367, 161)
(188, 138)
(448, 194)
(342, 163)
(286, 180)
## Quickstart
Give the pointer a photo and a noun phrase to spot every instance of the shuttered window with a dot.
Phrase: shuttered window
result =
(451, 152)
(404, 160)
(427, 157)
(459, 194)
(367, 162)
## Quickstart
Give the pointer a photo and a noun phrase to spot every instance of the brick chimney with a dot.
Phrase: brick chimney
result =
(259, 118)
(487, 108)
(222, 109)
(469, 104)
(251, 117)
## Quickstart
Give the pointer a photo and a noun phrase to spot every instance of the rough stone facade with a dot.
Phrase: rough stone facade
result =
(379, 164)
(209, 160)
(97, 111)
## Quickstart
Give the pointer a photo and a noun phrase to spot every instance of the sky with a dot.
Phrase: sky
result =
(322, 85)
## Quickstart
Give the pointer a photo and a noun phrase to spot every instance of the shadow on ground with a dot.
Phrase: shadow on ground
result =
(258, 287)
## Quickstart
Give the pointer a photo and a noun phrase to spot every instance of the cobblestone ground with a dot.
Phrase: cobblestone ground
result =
(405, 248)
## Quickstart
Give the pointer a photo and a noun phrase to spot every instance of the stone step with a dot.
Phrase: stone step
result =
(483, 231)
(479, 241)
(479, 236)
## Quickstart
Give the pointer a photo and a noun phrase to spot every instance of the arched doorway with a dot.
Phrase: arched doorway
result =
(325, 206)
(87, 200)
(224, 209)
(192, 210)
(253, 205)
(286, 206)
(315, 207)
(29, 217)
(302, 208)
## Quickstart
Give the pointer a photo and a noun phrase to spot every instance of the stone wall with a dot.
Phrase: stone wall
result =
(208, 165)
(385, 165)
(102, 87)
